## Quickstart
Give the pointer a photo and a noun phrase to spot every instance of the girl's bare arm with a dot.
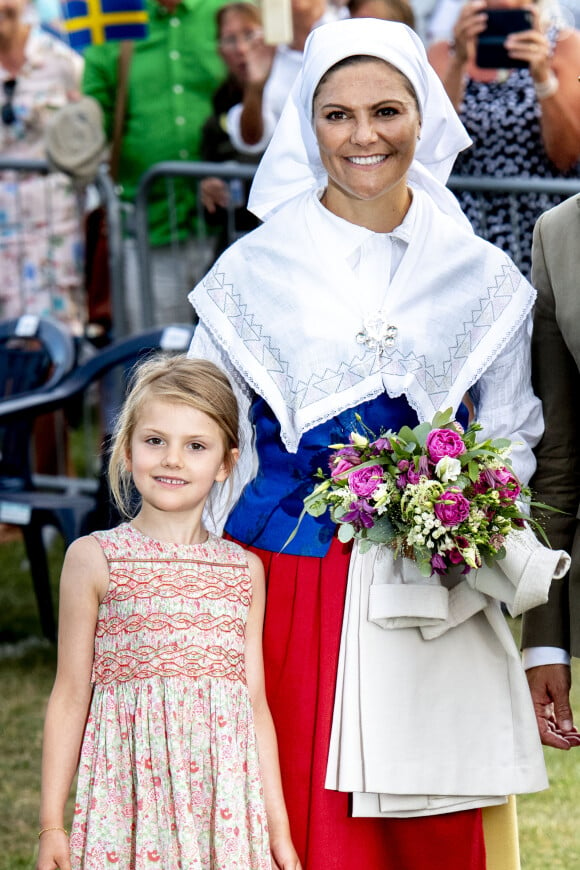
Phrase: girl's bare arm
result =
(83, 583)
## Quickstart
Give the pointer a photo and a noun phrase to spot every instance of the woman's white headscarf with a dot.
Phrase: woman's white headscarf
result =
(291, 163)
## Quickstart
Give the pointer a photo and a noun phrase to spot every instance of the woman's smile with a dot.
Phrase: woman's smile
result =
(371, 160)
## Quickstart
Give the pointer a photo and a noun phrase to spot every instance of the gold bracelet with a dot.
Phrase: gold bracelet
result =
(54, 828)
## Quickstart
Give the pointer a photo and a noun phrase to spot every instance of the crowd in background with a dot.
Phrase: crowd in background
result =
(204, 85)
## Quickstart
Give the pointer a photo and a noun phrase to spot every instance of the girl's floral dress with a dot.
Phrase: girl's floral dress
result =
(169, 774)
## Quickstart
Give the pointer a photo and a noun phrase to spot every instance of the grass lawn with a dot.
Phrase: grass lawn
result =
(548, 823)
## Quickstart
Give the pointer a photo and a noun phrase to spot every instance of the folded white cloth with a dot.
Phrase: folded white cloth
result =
(429, 726)
(526, 572)
(400, 597)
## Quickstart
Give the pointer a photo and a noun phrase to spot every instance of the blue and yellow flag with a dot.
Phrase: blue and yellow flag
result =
(92, 22)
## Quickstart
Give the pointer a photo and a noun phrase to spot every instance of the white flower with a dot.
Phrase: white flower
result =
(358, 440)
(448, 469)
(383, 492)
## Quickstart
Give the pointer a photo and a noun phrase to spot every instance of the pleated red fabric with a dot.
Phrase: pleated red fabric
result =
(304, 611)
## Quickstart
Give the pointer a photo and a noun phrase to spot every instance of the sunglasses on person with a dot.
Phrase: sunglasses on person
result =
(8, 114)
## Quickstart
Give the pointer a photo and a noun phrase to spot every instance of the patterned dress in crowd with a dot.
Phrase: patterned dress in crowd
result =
(41, 256)
(169, 774)
(503, 120)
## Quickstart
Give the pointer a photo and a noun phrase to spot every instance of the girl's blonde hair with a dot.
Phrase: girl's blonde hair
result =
(197, 383)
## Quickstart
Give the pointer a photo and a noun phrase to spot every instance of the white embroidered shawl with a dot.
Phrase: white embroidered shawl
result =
(286, 307)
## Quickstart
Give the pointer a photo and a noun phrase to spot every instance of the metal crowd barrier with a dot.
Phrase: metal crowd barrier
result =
(132, 219)
(484, 188)
(170, 171)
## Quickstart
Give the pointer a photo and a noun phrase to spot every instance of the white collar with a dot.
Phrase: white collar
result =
(352, 236)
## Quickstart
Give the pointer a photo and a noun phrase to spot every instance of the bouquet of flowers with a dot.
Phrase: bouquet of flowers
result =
(433, 494)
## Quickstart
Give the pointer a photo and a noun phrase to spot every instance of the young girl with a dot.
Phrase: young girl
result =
(159, 683)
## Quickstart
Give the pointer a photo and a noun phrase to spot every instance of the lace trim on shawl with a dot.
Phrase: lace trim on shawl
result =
(503, 342)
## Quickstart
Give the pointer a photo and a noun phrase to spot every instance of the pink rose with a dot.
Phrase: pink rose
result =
(443, 442)
(364, 481)
(451, 507)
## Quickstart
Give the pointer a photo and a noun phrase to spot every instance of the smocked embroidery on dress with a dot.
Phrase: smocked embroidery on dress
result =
(169, 772)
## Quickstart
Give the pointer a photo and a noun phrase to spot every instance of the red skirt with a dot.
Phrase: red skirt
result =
(304, 609)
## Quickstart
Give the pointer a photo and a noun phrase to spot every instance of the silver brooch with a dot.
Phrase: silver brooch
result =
(377, 333)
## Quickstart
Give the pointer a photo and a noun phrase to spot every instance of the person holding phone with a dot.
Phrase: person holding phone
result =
(523, 115)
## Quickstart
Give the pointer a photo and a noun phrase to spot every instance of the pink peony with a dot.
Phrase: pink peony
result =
(364, 481)
(443, 442)
(451, 507)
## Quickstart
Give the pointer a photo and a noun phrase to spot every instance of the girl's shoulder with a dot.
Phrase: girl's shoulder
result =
(122, 543)
(86, 564)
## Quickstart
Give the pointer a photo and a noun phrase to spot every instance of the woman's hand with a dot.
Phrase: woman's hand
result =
(53, 851)
(214, 193)
(531, 47)
(259, 61)
(471, 21)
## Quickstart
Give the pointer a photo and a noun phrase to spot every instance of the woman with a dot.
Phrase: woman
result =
(40, 252)
(359, 230)
(524, 122)
(238, 25)
(269, 77)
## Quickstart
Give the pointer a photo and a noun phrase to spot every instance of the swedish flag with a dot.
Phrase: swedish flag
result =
(92, 22)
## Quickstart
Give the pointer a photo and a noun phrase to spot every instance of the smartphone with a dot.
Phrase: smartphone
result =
(491, 53)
